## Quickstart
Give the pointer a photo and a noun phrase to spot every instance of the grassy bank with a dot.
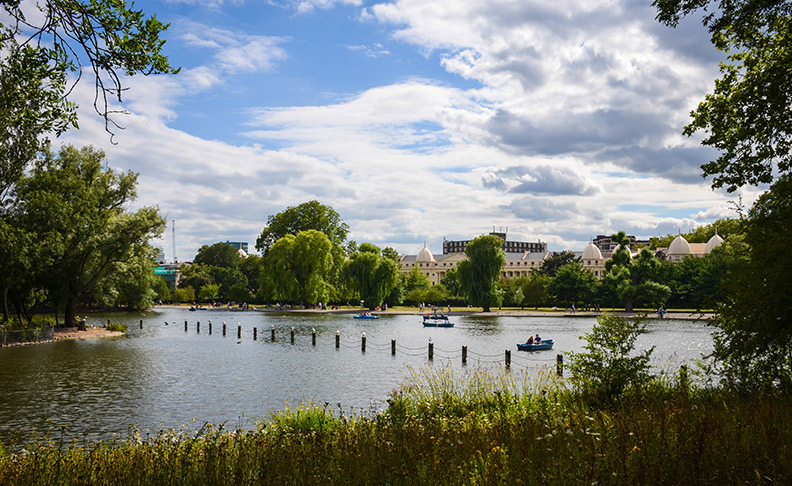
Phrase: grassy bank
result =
(446, 429)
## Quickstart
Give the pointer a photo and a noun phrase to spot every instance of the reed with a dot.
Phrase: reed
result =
(446, 427)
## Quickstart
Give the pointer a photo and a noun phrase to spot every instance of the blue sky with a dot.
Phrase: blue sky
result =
(419, 121)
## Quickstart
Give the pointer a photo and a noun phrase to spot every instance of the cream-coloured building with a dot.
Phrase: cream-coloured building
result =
(522, 264)
(679, 249)
(517, 264)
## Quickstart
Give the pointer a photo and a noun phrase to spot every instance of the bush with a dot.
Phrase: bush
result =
(610, 367)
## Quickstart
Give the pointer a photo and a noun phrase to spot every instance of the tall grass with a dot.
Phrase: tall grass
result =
(445, 427)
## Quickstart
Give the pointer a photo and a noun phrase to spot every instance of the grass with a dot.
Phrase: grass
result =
(445, 428)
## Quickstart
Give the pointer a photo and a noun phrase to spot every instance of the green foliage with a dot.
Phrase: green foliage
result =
(218, 255)
(186, 294)
(209, 292)
(450, 281)
(479, 273)
(115, 326)
(194, 276)
(755, 337)
(299, 267)
(747, 117)
(75, 207)
(310, 215)
(634, 279)
(573, 284)
(478, 427)
(610, 366)
(109, 38)
(371, 275)
(416, 280)
(556, 261)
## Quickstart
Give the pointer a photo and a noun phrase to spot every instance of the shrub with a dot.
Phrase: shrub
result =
(609, 367)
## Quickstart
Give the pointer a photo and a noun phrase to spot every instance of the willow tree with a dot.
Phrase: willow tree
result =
(479, 273)
(372, 273)
(298, 267)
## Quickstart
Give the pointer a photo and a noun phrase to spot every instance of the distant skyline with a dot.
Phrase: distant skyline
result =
(419, 120)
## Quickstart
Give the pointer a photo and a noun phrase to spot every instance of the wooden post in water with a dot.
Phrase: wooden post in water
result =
(393, 347)
(239, 331)
(560, 365)
(313, 337)
(108, 322)
(141, 323)
(363, 343)
(185, 325)
(464, 354)
(431, 349)
(210, 328)
(272, 332)
(198, 327)
(224, 328)
(292, 335)
(255, 333)
(508, 359)
(338, 339)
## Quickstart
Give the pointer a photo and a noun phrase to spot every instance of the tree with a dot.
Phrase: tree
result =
(218, 255)
(310, 215)
(747, 118)
(534, 289)
(633, 278)
(416, 280)
(573, 284)
(75, 207)
(451, 282)
(754, 342)
(609, 367)
(110, 38)
(556, 261)
(299, 266)
(371, 274)
(479, 273)
(194, 276)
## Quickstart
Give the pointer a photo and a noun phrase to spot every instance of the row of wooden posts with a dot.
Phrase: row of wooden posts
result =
(507, 357)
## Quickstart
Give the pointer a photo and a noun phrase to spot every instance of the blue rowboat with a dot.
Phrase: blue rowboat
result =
(545, 344)
(367, 315)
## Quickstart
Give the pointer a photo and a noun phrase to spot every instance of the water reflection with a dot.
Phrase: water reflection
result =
(162, 376)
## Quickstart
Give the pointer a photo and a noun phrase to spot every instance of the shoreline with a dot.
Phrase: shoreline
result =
(682, 315)
(63, 333)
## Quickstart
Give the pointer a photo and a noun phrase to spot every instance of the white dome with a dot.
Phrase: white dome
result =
(679, 246)
(713, 242)
(591, 252)
(425, 255)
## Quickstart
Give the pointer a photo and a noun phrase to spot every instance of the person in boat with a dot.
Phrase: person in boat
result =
(537, 339)
(530, 340)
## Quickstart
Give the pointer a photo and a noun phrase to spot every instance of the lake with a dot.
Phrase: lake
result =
(161, 377)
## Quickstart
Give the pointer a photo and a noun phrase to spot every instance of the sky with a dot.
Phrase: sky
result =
(418, 121)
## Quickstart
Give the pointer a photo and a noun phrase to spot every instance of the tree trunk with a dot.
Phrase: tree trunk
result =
(628, 305)
(486, 308)
(69, 318)
(5, 304)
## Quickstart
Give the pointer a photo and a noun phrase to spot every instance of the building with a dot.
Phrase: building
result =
(238, 245)
(450, 247)
(170, 272)
(522, 264)
(606, 244)
(679, 249)
(517, 264)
